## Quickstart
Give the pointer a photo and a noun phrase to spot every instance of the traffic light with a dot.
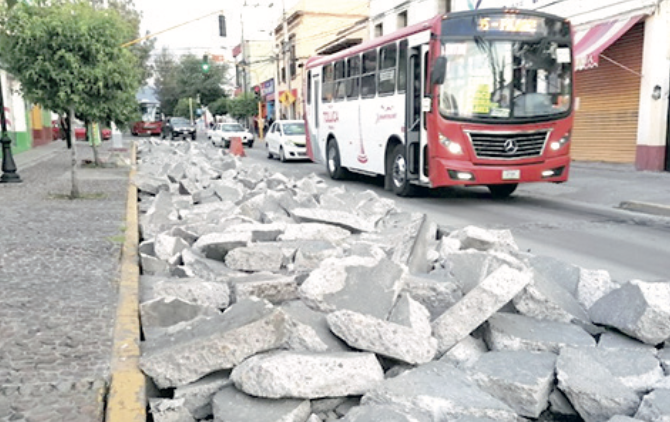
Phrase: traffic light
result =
(205, 63)
(222, 25)
(257, 92)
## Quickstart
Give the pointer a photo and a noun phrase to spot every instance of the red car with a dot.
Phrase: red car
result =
(79, 132)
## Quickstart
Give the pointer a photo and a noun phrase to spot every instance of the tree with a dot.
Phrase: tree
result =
(165, 82)
(243, 106)
(183, 108)
(219, 107)
(69, 57)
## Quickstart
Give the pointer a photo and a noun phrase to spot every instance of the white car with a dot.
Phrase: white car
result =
(224, 132)
(286, 140)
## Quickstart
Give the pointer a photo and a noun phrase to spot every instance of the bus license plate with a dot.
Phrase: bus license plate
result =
(511, 174)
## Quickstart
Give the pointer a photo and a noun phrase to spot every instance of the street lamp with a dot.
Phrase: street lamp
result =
(9, 174)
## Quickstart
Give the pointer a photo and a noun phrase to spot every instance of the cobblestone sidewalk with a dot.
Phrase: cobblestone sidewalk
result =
(59, 263)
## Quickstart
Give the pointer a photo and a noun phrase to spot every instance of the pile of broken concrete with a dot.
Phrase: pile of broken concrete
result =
(265, 298)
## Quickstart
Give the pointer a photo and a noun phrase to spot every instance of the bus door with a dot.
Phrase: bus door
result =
(314, 118)
(415, 119)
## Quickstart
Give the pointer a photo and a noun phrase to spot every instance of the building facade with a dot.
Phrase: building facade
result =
(622, 58)
(27, 128)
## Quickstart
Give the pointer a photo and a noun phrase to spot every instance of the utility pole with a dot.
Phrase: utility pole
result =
(286, 49)
(245, 82)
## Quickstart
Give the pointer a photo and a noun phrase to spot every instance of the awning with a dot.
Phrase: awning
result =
(590, 42)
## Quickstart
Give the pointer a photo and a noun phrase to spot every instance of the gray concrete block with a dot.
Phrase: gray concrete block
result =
(176, 172)
(346, 220)
(638, 370)
(217, 245)
(259, 232)
(410, 313)
(308, 329)
(198, 395)
(664, 357)
(465, 353)
(166, 311)
(506, 331)
(559, 404)
(150, 184)
(591, 388)
(619, 418)
(477, 306)
(221, 342)
(616, 340)
(472, 237)
(387, 339)
(167, 246)
(169, 410)
(647, 310)
(470, 267)
(561, 273)
(438, 388)
(153, 266)
(592, 285)
(227, 191)
(232, 405)
(308, 375)
(521, 379)
(257, 257)
(311, 253)
(384, 413)
(358, 284)
(194, 290)
(188, 187)
(314, 231)
(435, 294)
(274, 288)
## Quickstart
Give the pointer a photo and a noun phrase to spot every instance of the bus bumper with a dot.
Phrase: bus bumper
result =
(464, 173)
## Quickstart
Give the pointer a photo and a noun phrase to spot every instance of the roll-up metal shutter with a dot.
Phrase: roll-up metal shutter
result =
(605, 126)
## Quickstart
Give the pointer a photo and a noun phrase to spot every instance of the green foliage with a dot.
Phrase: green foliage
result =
(219, 107)
(183, 108)
(243, 106)
(70, 55)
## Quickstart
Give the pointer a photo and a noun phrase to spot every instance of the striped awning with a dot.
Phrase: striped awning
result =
(591, 41)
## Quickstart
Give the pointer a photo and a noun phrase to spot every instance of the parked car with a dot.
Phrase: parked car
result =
(286, 140)
(79, 132)
(179, 127)
(224, 132)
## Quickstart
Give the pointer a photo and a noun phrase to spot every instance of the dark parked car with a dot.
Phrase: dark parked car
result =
(178, 127)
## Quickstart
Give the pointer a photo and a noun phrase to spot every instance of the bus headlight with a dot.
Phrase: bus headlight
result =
(451, 146)
(556, 145)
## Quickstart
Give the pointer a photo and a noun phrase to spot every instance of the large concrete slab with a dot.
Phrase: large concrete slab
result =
(217, 245)
(194, 290)
(274, 288)
(507, 331)
(387, 339)
(384, 413)
(246, 328)
(198, 396)
(638, 370)
(591, 388)
(346, 220)
(432, 291)
(308, 375)
(438, 388)
(478, 305)
(231, 405)
(164, 312)
(592, 285)
(308, 329)
(256, 257)
(640, 309)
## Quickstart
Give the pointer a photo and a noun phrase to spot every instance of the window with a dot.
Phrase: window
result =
(293, 60)
(309, 87)
(328, 83)
(444, 6)
(353, 76)
(369, 72)
(402, 66)
(402, 19)
(379, 30)
(387, 69)
(340, 82)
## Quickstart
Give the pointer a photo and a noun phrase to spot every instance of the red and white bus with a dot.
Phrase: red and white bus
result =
(151, 122)
(480, 97)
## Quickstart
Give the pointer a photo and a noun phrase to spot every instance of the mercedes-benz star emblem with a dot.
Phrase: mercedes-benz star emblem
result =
(510, 146)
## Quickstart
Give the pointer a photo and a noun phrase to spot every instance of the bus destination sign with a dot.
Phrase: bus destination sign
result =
(510, 24)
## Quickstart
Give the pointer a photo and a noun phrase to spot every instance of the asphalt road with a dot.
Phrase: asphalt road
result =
(629, 245)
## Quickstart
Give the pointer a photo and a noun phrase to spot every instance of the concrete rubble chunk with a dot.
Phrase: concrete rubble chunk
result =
(470, 267)
(274, 288)
(647, 310)
(257, 257)
(592, 285)
(435, 294)
(472, 237)
(198, 396)
(411, 241)
(559, 404)
(188, 187)
(259, 232)
(346, 220)
(664, 357)
(259, 206)
(616, 340)
(521, 379)
(309, 254)
(478, 305)
(638, 370)
(166, 246)
(465, 353)
(194, 290)
(438, 388)
(170, 410)
(231, 405)
(553, 269)
(448, 245)
(221, 342)
(544, 299)
(314, 231)
(371, 334)
(217, 245)
(153, 266)
(410, 313)
(507, 331)
(619, 418)
(308, 375)
(166, 311)
(591, 388)
(364, 285)
(384, 413)
(176, 172)
(308, 330)
(151, 184)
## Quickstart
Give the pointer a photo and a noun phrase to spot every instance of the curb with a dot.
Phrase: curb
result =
(646, 207)
(126, 399)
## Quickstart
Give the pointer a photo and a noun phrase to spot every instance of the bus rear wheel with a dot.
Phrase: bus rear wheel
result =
(397, 171)
(335, 169)
(502, 191)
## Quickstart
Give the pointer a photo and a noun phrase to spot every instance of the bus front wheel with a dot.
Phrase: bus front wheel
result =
(398, 172)
(335, 169)
(502, 191)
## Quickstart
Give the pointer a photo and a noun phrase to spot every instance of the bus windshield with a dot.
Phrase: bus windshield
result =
(150, 112)
(506, 80)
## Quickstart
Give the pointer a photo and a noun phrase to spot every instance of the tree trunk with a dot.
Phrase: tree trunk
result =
(74, 193)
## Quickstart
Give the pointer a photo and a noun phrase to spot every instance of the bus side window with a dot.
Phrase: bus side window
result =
(353, 76)
(309, 87)
(387, 69)
(328, 84)
(402, 66)
(369, 71)
(340, 82)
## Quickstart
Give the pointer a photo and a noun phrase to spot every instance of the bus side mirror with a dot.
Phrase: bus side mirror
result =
(439, 71)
